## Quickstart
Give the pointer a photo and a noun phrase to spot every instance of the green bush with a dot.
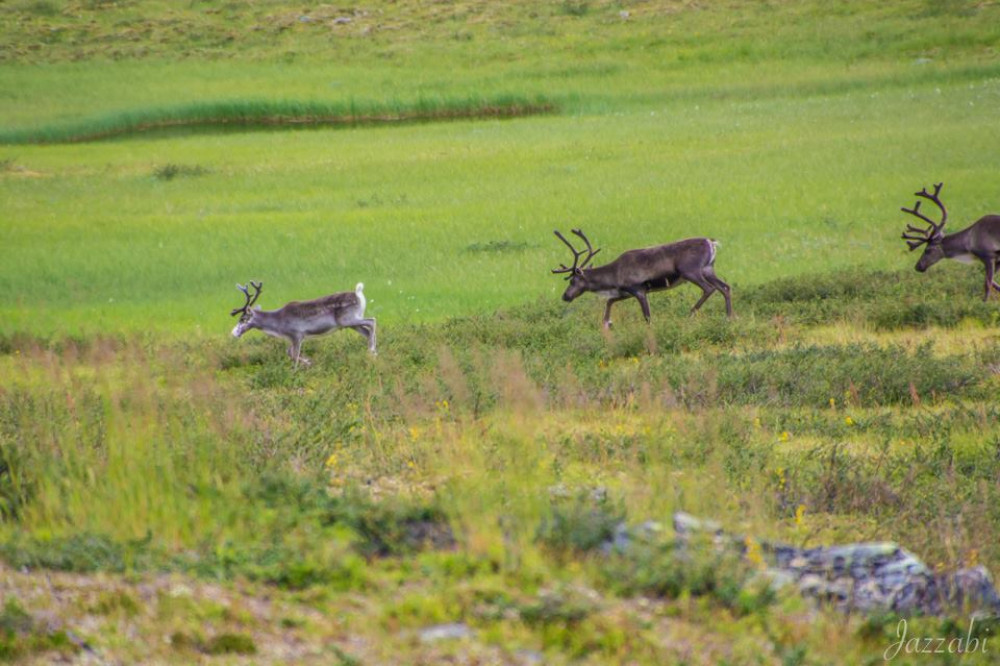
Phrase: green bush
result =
(700, 569)
(80, 553)
(580, 523)
(229, 643)
(392, 526)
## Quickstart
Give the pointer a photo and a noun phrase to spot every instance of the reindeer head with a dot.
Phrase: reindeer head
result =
(931, 236)
(577, 280)
(246, 311)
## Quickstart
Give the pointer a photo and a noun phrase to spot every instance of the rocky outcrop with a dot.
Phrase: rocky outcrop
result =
(861, 577)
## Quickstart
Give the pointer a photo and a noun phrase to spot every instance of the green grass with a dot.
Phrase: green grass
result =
(808, 186)
(173, 482)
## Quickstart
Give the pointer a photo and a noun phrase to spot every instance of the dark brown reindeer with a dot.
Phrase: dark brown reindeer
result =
(636, 273)
(301, 319)
(979, 241)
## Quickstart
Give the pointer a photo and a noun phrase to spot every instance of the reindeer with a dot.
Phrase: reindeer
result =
(302, 319)
(636, 273)
(979, 241)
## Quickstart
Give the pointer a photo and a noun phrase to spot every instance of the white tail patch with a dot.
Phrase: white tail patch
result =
(362, 302)
(714, 245)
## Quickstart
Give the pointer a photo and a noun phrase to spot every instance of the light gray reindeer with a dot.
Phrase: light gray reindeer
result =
(636, 273)
(299, 320)
(981, 240)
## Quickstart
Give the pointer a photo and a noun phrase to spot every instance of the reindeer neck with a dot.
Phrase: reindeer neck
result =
(265, 319)
(601, 277)
(957, 243)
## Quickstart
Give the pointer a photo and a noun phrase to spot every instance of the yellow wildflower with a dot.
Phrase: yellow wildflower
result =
(754, 554)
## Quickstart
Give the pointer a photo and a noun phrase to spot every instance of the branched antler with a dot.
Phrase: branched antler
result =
(915, 236)
(577, 266)
(250, 300)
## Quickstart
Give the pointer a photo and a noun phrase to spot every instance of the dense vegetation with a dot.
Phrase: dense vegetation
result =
(160, 480)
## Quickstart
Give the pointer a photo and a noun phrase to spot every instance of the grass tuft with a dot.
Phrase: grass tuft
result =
(171, 171)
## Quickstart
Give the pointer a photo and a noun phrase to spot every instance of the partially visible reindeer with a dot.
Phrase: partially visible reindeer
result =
(301, 319)
(979, 241)
(636, 273)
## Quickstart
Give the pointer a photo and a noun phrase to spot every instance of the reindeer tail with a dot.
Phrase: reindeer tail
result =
(714, 244)
(362, 302)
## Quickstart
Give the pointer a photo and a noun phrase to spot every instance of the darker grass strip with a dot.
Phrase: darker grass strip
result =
(243, 115)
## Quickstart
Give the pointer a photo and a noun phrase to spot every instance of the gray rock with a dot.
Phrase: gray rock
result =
(440, 632)
(873, 577)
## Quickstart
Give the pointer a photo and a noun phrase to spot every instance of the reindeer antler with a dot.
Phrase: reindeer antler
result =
(577, 266)
(915, 236)
(258, 287)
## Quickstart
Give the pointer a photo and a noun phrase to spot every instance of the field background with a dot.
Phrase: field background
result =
(198, 493)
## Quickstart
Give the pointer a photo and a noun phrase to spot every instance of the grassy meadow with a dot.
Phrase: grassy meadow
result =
(171, 495)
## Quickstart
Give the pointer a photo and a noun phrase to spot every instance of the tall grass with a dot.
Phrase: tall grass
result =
(112, 452)
(108, 438)
(245, 115)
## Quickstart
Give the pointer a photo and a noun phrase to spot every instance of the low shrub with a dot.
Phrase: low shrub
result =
(580, 523)
(391, 527)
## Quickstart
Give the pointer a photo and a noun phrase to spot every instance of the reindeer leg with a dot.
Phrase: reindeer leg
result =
(643, 301)
(607, 310)
(366, 327)
(295, 352)
(364, 330)
(991, 276)
(704, 297)
(723, 287)
(990, 272)
(707, 289)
